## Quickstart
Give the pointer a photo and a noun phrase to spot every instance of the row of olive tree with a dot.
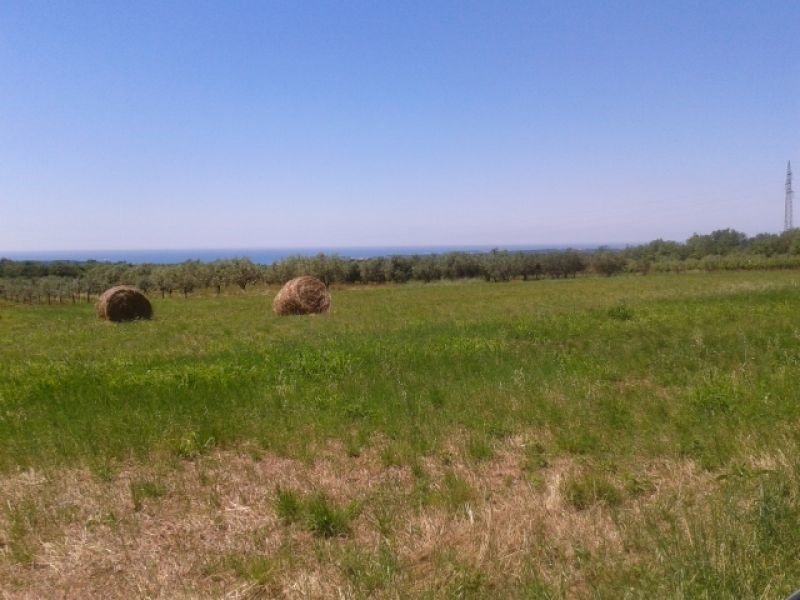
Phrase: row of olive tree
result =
(723, 242)
(496, 265)
(32, 281)
(91, 278)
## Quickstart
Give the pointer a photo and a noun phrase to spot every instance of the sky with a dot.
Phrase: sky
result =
(136, 125)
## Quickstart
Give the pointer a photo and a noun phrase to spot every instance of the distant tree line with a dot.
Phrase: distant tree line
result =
(726, 249)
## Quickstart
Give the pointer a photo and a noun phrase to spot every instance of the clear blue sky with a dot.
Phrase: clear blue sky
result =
(257, 124)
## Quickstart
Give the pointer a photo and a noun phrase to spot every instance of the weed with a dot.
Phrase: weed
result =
(535, 457)
(469, 583)
(325, 519)
(636, 485)
(24, 519)
(369, 572)
(145, 489)
(104, 470)
(288, 506)
(586, 491)
(192, 445)
(479, 448)
(455, 493)
(251, 567)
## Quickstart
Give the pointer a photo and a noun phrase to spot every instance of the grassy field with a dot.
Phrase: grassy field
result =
(630, 437)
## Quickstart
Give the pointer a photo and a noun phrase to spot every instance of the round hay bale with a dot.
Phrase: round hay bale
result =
(302, 296)
(124, 303)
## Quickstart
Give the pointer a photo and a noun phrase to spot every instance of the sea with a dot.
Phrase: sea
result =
(270, 255)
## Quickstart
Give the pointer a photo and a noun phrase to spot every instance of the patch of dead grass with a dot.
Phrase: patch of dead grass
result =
(214, 531)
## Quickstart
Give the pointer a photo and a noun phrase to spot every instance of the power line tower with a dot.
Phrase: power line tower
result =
(788, 222)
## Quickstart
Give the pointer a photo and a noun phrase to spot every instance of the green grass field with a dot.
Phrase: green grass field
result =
(630, 437)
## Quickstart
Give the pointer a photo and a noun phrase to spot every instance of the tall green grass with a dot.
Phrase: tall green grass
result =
(699, 366)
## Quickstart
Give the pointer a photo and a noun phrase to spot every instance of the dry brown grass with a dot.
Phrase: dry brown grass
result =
(71, 534)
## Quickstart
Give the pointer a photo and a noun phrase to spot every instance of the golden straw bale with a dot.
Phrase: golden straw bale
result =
(124, 303)
(302, 296)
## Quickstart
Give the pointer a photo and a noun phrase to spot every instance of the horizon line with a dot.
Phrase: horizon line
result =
(323, 247)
